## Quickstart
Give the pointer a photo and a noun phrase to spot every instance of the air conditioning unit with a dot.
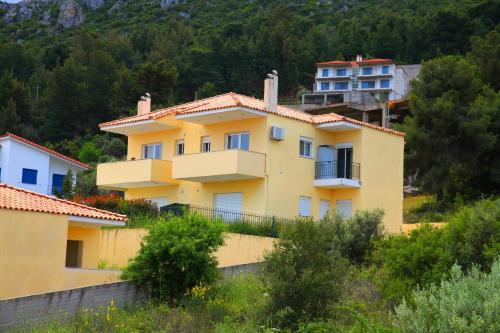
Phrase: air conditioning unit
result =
(277, 133)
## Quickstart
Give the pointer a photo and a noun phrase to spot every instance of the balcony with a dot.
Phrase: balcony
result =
(134, 174)
(337, 174)
(225, 165)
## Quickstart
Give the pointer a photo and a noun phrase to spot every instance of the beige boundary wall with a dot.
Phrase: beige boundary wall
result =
(406, 228)
(117, 246)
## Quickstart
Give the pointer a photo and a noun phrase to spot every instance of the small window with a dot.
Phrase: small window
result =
(341, 72)
(367, 71)
(57, 182)
(306, 147)
(344, 208)
(205, 144)
(325, 72)
(325, 86)
(179, 147)
(29, 176)
(238, 141)
(304, 206)
(385, 69)
(341, 85)
(152, 150)
(384, 83)
(367, 84)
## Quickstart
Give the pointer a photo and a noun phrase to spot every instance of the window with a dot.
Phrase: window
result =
(205, 144)
(341, 72)
(324, 207)
(306, 147)
(29, 176)
(324, 72)
(304, 206)
(384, 83)
(341, 85)
(367, 84)
(325, 86)
(385, 69)
(74, 252)
(57, 182)
(344, 208)
(238, 141)
(152, 150)
(179, 147)
(367, 71)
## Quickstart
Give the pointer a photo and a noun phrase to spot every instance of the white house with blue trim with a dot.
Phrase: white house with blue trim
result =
(33, 167)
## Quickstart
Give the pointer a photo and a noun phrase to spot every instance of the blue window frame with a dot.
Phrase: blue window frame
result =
(341, 85)
(384, 83)
(367, 70)
(324, 72)
(385, 69)
(57, 182)
(29, 176)
(341, 72)
(325, 86)
(367, 84)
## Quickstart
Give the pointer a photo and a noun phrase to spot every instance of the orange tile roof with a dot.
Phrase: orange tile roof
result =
(20, 199)
(231, 99)
(45, 149)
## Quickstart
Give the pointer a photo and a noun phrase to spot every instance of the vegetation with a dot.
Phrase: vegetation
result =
(176, 256)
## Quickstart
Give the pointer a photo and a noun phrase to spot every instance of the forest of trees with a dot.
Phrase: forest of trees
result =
(57, 84)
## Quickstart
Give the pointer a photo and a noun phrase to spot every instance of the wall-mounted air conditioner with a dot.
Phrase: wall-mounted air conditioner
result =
(277, 133)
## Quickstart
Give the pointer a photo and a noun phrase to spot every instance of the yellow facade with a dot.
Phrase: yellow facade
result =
(286, 175)
(33, 254)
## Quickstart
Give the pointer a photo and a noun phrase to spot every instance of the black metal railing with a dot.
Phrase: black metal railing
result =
(337, 169)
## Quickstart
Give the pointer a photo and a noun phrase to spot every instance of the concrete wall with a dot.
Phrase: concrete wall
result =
(117, 246)
(24, 311)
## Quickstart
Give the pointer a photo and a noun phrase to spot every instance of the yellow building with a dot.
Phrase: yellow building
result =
(238, 153)
(48, 244)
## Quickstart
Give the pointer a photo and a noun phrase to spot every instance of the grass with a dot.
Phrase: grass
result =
(234, 304)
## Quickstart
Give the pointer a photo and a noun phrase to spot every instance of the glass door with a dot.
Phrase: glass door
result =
(344, 163)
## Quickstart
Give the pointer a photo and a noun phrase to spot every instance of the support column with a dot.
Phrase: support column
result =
(366, 117)
(385, 117)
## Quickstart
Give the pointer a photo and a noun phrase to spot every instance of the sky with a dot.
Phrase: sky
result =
(11, 1)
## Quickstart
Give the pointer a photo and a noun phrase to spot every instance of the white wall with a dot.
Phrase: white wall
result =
(15, 156)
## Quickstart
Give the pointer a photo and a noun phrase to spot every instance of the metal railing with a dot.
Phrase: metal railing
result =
(337, 169)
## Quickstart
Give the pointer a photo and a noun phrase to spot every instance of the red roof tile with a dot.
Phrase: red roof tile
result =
(45, 149)
(20, 199)
(231, 99)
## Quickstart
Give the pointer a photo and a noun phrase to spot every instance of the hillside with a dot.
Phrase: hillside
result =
(66, 65)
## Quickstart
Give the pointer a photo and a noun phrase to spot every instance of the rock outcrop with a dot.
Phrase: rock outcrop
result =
(70, 14)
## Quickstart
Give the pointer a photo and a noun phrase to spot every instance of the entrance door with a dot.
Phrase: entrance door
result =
(74, 251)
(344, 162)
(324, 164)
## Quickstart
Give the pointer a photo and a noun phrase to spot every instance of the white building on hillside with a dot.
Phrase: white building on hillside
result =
(33, 167)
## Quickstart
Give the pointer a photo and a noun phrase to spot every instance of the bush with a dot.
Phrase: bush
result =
(362, 230)
(464, 303)
(176, 255)
(407, 260)
(304, 274)
(473, 234)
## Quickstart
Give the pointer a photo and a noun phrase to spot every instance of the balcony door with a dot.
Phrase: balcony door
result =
(325, 162)
(344, 162)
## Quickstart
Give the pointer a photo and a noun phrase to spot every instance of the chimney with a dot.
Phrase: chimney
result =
(359, 58)
(144, 104)
(271, 91)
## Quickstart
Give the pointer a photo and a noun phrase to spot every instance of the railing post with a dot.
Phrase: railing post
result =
(274, 232)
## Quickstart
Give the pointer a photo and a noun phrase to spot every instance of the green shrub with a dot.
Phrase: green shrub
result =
(177, 255)
(464, 303)
(304, 274)
(473, 234)
(407, 260)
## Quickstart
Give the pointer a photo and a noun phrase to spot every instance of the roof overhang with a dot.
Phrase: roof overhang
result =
(221, 115)
(93, 222)
(339, 126)
(150, 125)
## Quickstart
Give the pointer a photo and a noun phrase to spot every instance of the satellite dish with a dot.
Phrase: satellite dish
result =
(275, 72)
(148, 95)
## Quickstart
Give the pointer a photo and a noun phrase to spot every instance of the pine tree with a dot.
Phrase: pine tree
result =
(68, 191)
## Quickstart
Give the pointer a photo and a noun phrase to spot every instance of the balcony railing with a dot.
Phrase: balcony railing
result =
(337, 169)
